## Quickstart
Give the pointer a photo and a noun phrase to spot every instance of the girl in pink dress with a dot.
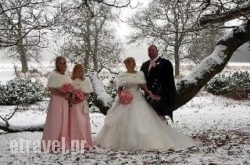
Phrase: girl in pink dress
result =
(80, 129)
(56, 128)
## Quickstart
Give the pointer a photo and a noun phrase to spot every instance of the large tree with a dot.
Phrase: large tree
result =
(203, 43)
(166, 23)
(21, 27)
(90, 40)
(191, 84)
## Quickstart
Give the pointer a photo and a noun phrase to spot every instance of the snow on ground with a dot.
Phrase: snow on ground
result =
(222, 126)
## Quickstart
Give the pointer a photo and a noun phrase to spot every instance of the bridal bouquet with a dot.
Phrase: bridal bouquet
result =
(66, 88)
(126, 97)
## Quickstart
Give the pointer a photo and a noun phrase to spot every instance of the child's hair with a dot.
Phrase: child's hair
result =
(77, 66)
(58, 58)
(128, 60)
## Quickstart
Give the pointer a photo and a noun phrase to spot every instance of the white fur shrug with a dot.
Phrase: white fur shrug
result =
(125, 79)
(84, 85)
(56, 80)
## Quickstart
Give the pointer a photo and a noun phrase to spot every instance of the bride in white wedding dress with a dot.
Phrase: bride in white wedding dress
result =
(136, 126)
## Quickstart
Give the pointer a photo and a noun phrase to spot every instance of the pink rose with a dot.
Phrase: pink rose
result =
(66, 88)
(126, 97)
(79, 95)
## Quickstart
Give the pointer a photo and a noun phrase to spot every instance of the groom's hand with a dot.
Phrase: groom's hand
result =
(155, 97)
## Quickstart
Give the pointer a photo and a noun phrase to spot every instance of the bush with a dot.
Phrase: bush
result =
(234, 85)
(21, 91)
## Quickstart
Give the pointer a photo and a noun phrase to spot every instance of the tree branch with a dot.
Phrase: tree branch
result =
(12, 129)
(191, 84)
(243, 10)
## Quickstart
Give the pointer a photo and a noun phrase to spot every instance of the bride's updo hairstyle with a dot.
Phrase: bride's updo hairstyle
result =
(77, 67)
(129, 60)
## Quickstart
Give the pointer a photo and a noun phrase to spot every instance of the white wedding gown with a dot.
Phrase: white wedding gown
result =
(136, 126)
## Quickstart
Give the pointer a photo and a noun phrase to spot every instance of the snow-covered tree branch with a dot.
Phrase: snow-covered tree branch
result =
(190, 85)
(102, 100)
(7, 127)
(241, 10)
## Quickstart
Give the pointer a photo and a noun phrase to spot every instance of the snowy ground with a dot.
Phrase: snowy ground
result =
(221, 125)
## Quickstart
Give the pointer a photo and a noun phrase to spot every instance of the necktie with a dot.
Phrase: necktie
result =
(152, 64)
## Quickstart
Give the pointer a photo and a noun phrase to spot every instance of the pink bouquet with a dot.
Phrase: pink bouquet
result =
(126, 97)
(66, 88)
(77, 97)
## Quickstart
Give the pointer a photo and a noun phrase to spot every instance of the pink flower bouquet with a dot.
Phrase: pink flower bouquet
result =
(77, 97)
(126, 97)
(66, 88)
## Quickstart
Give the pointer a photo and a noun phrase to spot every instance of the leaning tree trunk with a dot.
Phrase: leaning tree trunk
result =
(191, 84)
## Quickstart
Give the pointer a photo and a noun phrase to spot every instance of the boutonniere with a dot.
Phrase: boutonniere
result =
(155, 64)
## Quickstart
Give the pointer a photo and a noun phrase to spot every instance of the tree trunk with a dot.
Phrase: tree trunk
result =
(177, 60)
(176, 49)
(11, 129)
(96, 43)
(191, 84)
(21, 50)
(88, 44)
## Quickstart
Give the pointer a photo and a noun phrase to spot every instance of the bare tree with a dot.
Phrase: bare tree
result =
(91, 40)
(203, 43)
(222, 11)
(167, 23)
(87, 4)
(21, 29)
(208, 13)
(190, 85)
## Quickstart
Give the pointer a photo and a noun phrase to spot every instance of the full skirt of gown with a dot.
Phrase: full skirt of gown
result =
(136, 126)
(80, 128)
(56, 126)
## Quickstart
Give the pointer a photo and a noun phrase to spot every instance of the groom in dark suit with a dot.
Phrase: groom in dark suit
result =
(160, 80)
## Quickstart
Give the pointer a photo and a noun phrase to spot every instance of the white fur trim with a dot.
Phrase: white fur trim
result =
(85, 85)
(125, 79)
(56, 80)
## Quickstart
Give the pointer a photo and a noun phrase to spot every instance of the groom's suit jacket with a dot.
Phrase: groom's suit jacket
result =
(160, 80)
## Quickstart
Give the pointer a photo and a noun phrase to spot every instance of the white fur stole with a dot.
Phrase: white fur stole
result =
(84, 85)
(56, 80)
(125, 79)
